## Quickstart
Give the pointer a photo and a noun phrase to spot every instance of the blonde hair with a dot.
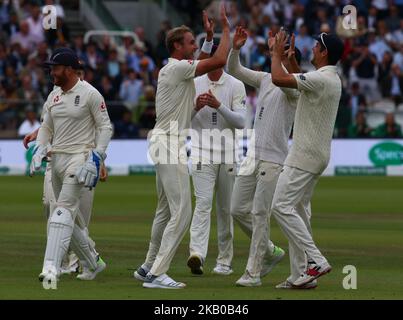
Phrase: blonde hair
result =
(176, 35)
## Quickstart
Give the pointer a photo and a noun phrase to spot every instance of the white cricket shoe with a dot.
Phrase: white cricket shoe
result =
(248, 281)
(271, 261)
(141, 274)
(288, 285)
(222, 269)
(162, 282)
(313, 272)
(90, 274)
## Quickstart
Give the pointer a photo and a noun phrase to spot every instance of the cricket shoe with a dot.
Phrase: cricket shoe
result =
(271, 261)
(248, 281)
(222, 269)
(162, 282)
(288, 285)
(90, 274)
(141, 274)
(313, 272)
(195, 263)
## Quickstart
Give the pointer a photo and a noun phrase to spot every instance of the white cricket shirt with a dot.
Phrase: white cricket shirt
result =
(213, 139)
(73, 117)
(315, 119)
(174, 104)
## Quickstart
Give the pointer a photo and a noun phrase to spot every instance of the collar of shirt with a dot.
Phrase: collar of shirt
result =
(72, 90)
(219, 82)
(328, 68)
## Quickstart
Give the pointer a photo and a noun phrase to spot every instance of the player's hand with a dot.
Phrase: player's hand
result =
(279, 43)
(200, 102)
(210, 100)
(208, 25)
(103, 173)
(88, 174)
(240, 38)
(39, 154)
(223, 17)
(29, 138)
(290, 52)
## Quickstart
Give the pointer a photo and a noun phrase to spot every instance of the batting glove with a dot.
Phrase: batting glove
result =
(88, 174)
(39, 154)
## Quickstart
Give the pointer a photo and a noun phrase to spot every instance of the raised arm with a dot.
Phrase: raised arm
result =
(208, 42)
(250, 77)
(279, 76)
(219, 59)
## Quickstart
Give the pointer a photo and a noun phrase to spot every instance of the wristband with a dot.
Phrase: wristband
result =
(207, 46)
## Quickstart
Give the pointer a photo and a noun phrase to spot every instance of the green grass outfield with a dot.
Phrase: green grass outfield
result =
(356, 221)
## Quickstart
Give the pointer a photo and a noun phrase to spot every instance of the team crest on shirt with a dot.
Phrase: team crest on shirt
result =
(302, 77)
(77, 101)
(191, 62)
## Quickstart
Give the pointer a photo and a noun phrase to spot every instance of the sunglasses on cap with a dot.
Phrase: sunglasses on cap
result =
(321, 39)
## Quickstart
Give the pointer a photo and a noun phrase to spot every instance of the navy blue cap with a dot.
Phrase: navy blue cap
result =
(333, 44)
(65, 57)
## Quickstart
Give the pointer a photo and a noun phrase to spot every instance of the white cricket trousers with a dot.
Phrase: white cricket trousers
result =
(63, 226)
(85, 207)
(207, 178)
(172, 217)
(250, 207)
(292, 210)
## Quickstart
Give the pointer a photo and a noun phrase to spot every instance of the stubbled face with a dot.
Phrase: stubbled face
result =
(59, 74)
(318, 53)
(188, 47)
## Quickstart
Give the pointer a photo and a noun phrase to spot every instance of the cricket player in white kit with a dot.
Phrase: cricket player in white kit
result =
(257, 177)
(220, 109)
(75, 111)
(309, 154)
(70, 261)
(174, 105)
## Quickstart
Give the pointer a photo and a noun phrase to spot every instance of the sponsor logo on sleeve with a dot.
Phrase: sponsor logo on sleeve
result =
(191, 62)
(302, 77)
(102, 106)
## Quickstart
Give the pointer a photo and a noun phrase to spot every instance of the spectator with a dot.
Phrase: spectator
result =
(25, 38)
(59, 36)
(392, 85)
(27, 93)
(30, 123)
(130, 90)
(363, 71)
(59, 8)
(360, 128)
(393, 20)
(113, 65)
(139, 55)
(146, 114)
(125, 128)
(107, 90)
(356, 101)
(139, 31)
(389, 129)
(35, 23)
(92, 57)
(304, 43)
